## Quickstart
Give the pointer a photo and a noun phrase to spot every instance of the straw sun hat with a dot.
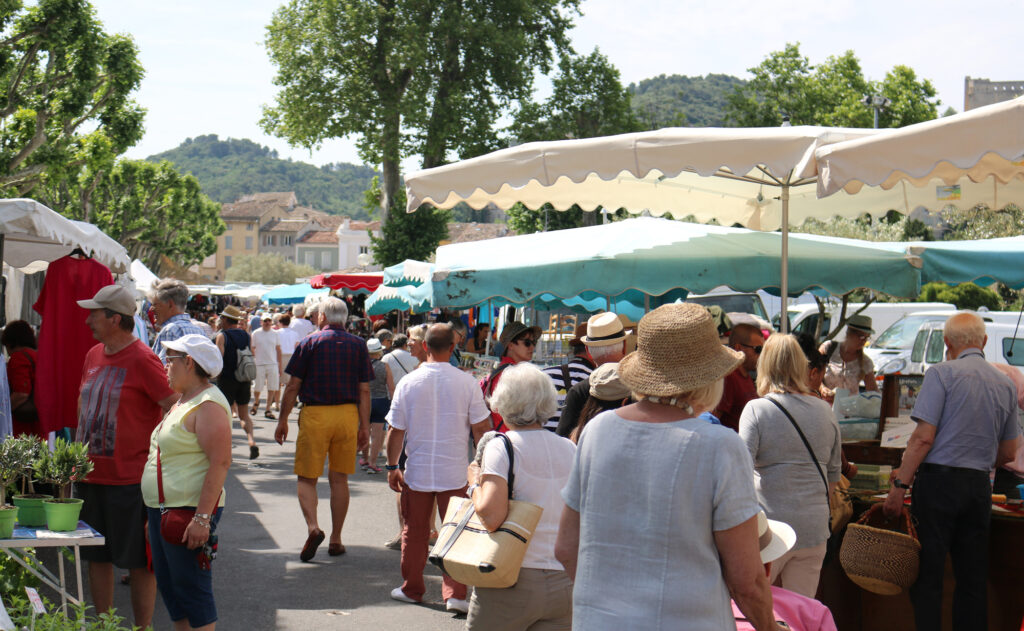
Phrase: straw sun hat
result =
(678, 351)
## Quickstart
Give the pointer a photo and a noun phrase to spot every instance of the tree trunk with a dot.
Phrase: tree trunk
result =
(590, 217)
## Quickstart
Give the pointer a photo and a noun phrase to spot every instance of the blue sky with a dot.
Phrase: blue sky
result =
(207, 71)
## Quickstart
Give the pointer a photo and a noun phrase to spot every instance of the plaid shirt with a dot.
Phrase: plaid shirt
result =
(174, 327)
(331, 364)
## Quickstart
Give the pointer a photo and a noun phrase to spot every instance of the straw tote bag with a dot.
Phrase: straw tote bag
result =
(471, 555)
(879, 554)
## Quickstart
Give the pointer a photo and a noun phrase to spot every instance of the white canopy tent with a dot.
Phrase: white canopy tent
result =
(32, 235)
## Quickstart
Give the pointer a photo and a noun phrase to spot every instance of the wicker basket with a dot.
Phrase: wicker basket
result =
(881, 555)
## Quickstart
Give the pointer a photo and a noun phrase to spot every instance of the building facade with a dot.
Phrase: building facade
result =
(980, 92)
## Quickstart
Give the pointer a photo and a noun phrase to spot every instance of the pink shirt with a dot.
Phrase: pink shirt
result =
(1017, 466)
(799, 612)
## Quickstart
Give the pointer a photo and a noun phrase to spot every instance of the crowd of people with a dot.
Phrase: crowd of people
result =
(683, 464)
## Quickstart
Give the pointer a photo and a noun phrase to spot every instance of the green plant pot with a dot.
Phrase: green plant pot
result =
(30, 509)
(62, 515)
(8, 515)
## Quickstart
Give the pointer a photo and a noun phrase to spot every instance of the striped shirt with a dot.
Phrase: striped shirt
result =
(579, 368)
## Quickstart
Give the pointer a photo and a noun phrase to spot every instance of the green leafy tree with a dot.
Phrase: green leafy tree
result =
(587, 101)
(964, 295)
(60, 73)
(407, 77)
(407, 235)
(982, 222)
(678, 101)
(150, 209)
(829, 94)
(269, 269)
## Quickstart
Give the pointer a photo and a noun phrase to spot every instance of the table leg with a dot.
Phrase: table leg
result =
(63, 582)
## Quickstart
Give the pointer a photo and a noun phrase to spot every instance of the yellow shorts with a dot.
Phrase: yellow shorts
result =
(327, 431)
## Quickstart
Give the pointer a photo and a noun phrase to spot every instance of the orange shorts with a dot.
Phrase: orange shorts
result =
(329, 431)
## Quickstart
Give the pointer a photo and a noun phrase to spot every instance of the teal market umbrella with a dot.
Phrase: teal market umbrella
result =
(652, 256)
(291, 294)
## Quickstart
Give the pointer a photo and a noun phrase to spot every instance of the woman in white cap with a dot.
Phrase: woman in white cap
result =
(189, 456)
(660, 522)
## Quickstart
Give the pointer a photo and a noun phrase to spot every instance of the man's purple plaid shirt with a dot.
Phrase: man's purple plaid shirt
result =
(331, 364)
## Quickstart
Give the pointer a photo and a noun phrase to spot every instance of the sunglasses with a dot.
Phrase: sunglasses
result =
(169, 358)
(756, 349)
(526, 341)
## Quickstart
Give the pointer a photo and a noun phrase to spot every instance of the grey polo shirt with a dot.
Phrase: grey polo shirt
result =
(973, 408)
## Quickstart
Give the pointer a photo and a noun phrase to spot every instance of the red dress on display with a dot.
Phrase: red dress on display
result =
(64, 338)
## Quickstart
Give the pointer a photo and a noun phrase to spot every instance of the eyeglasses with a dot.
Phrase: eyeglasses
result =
(169, 358)
(526, 341)
(756, 349)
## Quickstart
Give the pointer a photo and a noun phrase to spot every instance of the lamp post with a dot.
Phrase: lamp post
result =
(878, 103)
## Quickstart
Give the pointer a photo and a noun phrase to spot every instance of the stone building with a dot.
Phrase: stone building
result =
(980, 92)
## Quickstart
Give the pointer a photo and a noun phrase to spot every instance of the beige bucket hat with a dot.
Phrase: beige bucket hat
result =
(678, 350)
(604, 329)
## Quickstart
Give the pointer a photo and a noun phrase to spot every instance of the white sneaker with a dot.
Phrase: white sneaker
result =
(455, 604)
(398, 594)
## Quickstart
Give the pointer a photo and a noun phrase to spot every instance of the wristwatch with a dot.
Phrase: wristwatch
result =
(390, 467)
(899, 484)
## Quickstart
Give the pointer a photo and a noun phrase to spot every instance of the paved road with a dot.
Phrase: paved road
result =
(259, 581)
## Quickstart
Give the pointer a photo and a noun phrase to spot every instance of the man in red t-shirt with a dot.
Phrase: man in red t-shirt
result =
(739, 387)
(124, 394)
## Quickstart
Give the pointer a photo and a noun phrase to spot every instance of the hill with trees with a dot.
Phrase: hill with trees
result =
(679, 101)
(229, 168)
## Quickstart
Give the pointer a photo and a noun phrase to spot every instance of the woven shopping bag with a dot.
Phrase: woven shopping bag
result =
(881, 555)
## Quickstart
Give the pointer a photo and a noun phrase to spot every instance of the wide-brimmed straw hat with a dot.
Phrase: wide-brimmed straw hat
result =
(514, 329)
(678, 350)
(233, 312)
(860, 322)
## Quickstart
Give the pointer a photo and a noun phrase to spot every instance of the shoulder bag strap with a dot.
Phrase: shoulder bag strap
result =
(565, 376)
(807, 444)
(406, 370)
(159, 475)
(511, 463)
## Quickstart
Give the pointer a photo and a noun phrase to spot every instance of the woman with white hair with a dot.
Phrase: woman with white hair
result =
(794, 440)
(542, 597)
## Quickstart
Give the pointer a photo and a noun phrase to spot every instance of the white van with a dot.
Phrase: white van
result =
(891, 349)
(804, 318)
(1005, 345)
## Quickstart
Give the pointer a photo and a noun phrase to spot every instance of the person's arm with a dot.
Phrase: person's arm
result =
(390, 381)
(744, 573)
(363, 437)
(17, 398)
(918, 446)
(219, 341)
(1007, 449)
(288, 399)
(870, 384)
(567, 544)
(213, 432)
(575, 398)
(491, 501)
(479, 429)
(396, 479)
(280, 368)
(168, 403)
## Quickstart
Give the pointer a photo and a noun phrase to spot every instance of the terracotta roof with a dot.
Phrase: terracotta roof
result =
(362, 226)
(319, 237)
(256, 205)
(464, 232)
(280, 199)
(284, 225)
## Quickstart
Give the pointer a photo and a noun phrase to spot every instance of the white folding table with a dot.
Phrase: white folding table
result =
(24, 538)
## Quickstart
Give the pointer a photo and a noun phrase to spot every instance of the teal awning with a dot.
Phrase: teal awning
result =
(655, 256)
(291, 294)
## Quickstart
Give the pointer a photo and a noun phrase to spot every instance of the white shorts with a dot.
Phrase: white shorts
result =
(266, 375)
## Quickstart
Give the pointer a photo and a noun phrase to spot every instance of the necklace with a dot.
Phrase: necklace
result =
(673, 401)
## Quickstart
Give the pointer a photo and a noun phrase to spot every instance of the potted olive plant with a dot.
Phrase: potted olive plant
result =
(15, 457)
(30, 503)
(68, 462)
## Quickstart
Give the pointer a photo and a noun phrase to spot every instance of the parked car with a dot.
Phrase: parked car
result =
(1005, 345)
(804, 318)
(732, 302)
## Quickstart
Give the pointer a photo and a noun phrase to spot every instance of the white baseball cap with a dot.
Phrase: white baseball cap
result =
(200, 349)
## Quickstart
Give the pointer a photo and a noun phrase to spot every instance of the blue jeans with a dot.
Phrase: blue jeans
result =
(186, 588)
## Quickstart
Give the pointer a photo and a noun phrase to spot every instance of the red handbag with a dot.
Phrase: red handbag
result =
(173, 521)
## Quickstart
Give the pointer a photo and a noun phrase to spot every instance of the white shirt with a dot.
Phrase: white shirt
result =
(265, 344)
(288, 338)
(302, 326)
(435, 406)
(401, 362)
(542, 464)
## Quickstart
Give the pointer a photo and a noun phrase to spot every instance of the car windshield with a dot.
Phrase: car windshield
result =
(734, 303)
(902, 333)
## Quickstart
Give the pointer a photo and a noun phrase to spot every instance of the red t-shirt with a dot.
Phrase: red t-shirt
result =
(119, 408)
(738, 390)
(64, 338)
(21, 373)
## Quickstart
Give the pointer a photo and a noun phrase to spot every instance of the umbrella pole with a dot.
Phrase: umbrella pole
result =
(647, 304)
(784, 314)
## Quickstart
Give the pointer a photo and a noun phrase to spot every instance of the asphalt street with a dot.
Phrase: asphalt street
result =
(259, 582)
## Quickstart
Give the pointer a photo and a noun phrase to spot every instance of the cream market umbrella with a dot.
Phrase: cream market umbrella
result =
(738, 176)
(981, 151)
